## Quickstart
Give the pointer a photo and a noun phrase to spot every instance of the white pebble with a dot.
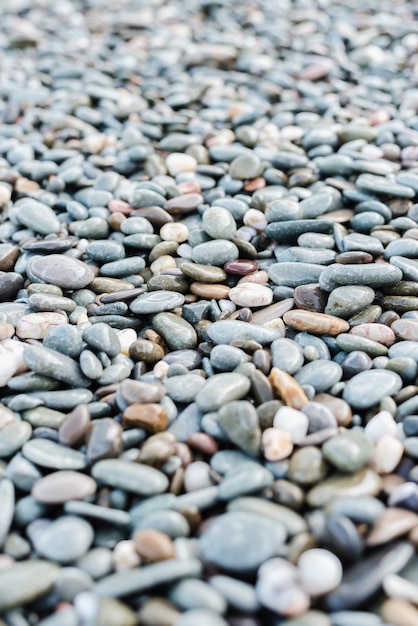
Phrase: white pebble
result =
(292, 421)
(387, 454)
(126, 338)
(256, 219)
(177, 163)
(320, 571)
(174, 231)
(164, 262)
(251, 295)
(381, 424)
(36, 325)
(197, 476)
(124, 555)
(278, 589)
(277, 444)
(11, 360)
(397, 587)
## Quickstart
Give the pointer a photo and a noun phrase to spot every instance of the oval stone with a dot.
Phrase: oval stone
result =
(130, 476)
(62, 486)
(62, 271)
(368, 388)
(64, 540)
(25, 582)
(316, 323)
(156, 302)
(47, 453)
(176, 332)
(240, 541)
(251, 295)
(220, 389)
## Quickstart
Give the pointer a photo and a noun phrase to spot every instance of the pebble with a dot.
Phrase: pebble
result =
(311, 322)
(133, 477)
(62, 271)
(62, 486)
(348, 451)
(221, 389)
(367, 389)
(318, 560)
(25, 582)
(177, 333)
(51, 540)
(225, 331)
(251, 295)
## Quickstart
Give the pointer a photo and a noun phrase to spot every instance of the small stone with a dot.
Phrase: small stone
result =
(130, 476)
(349, 451)
(152, 417)
(387, 454)
(287, 388)
(25, 582)
(317, 323)
(392, 524)
(178, 162)
(221, 389)
(52, 540)
(318, 560)
(251, 295)
(153, 545)
(62, 486)
(277, 444)
(367, 388)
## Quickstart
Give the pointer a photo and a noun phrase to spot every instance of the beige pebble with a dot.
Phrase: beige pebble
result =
(5, 194)
(36, 325)
(154, 545)
(387, 454)
(177, 163)
(126, 337)
(397, 587)
(260, 277)
(160, 370)
(256, 219)
(251, 295)
(6, 563)
(278, 325)
(174, 231)
(124, 555)
(317, 323)
(6, 331)
(287, 388)
(210, 291)
(391, 524)
(406, 329)
(6, 416)
(277, 444)
(375, 332)
(399, 613)
(158, 612)
(11, 360)
(164, 262)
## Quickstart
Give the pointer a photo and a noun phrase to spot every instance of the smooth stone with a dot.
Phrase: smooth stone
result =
(12, 437)
(61, 486)
(194, 593)
(204, 273)
(399, 612)
(38, 216)
(349, 342)
(156, 302)
(152, 417)
(354, 618)
(360, 510)
(55, 365)
(96, 563)
(147, 351)
(363, 483)
(370, 275)
(225, 331)
(307, 466)
(138, 391)
(52, 540)
(70, 582)
(221, 389)
(254, 541)
(248, 479)
(132, 477)
(294, 422)
(7, 499)
(346, 301)
(22, 472)
(46, 303)
(107, 515)
(226, 358)
(322, 375)
(176, 332)
(239, 594)
(102, 337)
(381, 186)
(349, 451)
(37, 325)
(315, 322)
(63, 271)
(65, 617)
(64, 338)
(319, 560)
(392, 524)
(362, 581)
(184, 388)
(137, 580)
(216, 252)
(251, 295)
(53, 455)
(280, 514)
(203, 617)
(10, 283)
(286, 355)
(25, 582)
(219, 223)
(244, 166)
(404, 349)
(368, 388)
(293, 274)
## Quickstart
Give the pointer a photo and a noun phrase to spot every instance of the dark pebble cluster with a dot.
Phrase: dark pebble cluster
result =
(208, 313)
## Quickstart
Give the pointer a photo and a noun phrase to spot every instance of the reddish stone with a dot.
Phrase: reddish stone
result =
(241, 267)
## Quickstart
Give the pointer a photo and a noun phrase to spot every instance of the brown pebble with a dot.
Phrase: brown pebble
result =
(62, 486)
(8, 258)
(158, 448)
(287, 388)
(202, 443)
(354, 257)
(241, 267)
(153, 417)
(73, 430)
(316, 323)
(339, 217)
(115, 220)
(210, 291)
(310, 298)
(277, 444)
(102, 284)
(154, 214)
(183, 205)
(154, 545)
(272, 312)
(120, 296)
(158, 612)
(288, 494)
(255, 184)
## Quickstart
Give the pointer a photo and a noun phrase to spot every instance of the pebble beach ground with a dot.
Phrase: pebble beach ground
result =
(208, 313)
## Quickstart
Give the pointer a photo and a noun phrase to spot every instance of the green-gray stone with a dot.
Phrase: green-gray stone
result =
(38, 216)
(349, 343)
(45, 302)
(219, 223)
(363, 483)
(43, 416)
(346, 301)
(239, 594)
(47, 453)
(292, 521)
(249, 478)
(307, 466)
(64, 540)
(367, 389)
(130, 476)
(184, 388)
(12, 438)
(239, 421)
(216, 252)
(220, 389)
(203, 273)
(7, 499)
(349, 451)
(247, 165)
(25, 582)
(102, 337)
(105, 251)
(55, 365)
(176, 332)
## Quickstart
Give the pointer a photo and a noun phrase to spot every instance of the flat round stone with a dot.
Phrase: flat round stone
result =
(63, 271)
(367, 388)
(156, 302)
(241, 267)
(220, 389)
(38, 216)
(203, 273)
(130, 476)
(216, 252)
(102, 337)
(247, 165)
(219, 223)
(348, 451)
(321, 374)
(47, 453)
(25, 582)
(225, 331)
(61, 486)
(346, 301)
(239, 420)
(286, 355)
(64, 540)
(241, 541)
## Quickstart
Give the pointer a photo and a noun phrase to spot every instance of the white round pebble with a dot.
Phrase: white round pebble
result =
(251, 295)
(381, 424)
(197, 476)
(177, 163)
(292, 421)
(11, 360)
(278, 588)
(164, 262)
(277, 444)
(126, 338)
(174, 231)
(256, 219)
(320, 571)
(124, 555)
